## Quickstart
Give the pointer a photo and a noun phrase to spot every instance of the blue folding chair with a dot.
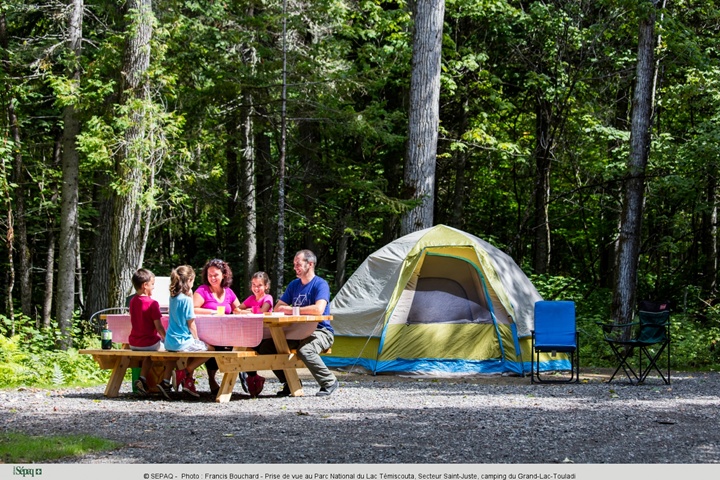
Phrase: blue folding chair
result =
(555, 332)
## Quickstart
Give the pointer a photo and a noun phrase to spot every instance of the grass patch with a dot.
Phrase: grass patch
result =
(21, 448)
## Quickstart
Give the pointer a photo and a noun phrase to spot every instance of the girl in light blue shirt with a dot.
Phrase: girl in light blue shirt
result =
(181, 334)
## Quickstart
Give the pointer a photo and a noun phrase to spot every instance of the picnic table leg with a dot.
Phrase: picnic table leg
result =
(116, 378)
(226, 387)
(294, 383)
(291, 375)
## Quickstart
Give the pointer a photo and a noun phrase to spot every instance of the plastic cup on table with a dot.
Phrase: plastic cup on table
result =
(221, 310)
(296, 311)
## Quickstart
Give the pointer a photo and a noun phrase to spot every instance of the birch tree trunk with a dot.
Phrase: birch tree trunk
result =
(624, 292)
(69, 197)
(127, 230)
(423, 114)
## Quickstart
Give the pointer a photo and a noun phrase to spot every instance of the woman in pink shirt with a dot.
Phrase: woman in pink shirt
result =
(215, 292)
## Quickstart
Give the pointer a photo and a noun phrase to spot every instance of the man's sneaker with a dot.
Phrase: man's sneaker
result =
(165, 387)
(325, 391)
(141, 387)
(285, 392)
(189, 386)
(179, 378)
(255, 384)
(244, 382)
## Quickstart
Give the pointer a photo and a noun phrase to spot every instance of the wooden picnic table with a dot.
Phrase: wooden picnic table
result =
(241, 331)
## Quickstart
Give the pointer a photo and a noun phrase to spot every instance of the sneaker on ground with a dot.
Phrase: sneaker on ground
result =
(141, 387)
(255, 384)
(178, 380)
(325, 391)
(285, 392)
(189, 386)
(165, 388)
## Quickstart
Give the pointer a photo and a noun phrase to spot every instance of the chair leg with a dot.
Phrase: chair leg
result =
(532, 366)
(652, 359)
(623, 363)
(574, 369)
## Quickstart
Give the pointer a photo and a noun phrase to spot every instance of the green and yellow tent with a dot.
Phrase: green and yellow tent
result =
(436, 301)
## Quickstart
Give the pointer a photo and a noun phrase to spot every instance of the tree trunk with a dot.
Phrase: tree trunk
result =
(342, 253)
(6, 193)
(234, 230)
(624, 293)
(49, 275)
(69, 203)
(98, 285)
(544, 146)
(21, 237)
(280, 251)
(9, 307)
(423, 114)
(18, 233)
(128, 219)
(249, 205)
(608, 216)
(265, 183)
(461, 157)
(709, 232)
(7, 197)
(50, 254)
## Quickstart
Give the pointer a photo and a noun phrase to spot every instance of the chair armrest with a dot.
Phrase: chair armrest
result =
(616, 331)
(605, 325)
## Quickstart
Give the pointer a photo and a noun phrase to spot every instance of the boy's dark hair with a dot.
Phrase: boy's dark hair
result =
(140, 277)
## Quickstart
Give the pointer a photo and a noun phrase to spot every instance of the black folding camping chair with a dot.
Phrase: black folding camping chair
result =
(649, 336)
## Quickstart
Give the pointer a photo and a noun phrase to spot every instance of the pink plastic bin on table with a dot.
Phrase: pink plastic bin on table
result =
(235, 330)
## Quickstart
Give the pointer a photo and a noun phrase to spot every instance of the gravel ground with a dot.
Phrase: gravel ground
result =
(391, 419)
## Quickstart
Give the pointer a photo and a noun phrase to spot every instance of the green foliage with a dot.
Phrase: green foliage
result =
(30, 358)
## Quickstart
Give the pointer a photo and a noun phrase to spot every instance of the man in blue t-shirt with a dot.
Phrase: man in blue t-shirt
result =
(312, 294)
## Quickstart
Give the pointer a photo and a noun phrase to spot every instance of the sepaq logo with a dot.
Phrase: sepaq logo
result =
(27, 472)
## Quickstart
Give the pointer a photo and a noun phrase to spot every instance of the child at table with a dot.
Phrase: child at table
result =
(147, 332)
(259, 302)
(182, 333)
(259, 286)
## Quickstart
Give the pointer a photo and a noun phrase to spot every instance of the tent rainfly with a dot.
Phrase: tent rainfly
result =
(437, 301)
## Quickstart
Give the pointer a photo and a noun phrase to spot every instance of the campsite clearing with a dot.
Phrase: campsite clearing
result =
(392, 419)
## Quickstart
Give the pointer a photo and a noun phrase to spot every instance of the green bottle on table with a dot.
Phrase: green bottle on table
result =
(106, 338)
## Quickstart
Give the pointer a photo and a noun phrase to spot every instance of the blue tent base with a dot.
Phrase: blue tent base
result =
(441, 367)
(425, 366)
